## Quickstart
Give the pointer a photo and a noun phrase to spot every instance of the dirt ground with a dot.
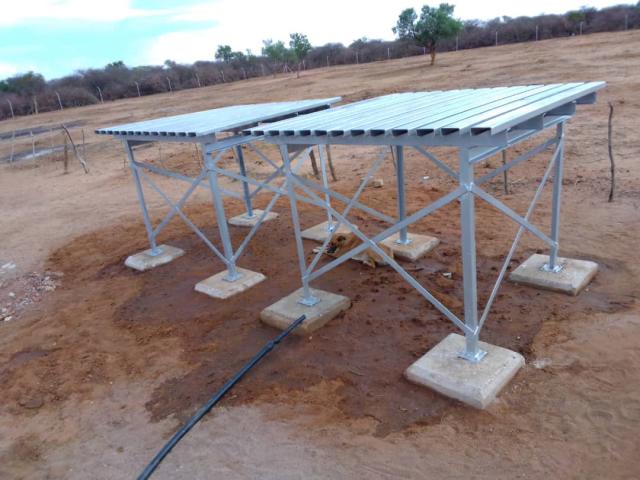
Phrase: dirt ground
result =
(99, 364)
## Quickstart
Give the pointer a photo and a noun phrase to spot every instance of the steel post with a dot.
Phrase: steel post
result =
(245, 185)
(403, 239)
(552, 266)
(307, 298)
(218, 204)
(141, 200)
(472, 352)
(325, 184)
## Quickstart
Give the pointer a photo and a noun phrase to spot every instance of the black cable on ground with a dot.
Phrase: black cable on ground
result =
(215, 399)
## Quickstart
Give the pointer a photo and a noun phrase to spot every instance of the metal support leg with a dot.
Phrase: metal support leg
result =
(216, 195)
(325, 183)
(403, 239)
(467, 224)
(143, 204)
(552, 266)
(307, 298)
(245, 185)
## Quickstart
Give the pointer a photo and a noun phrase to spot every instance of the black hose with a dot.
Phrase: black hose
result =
(215, 399)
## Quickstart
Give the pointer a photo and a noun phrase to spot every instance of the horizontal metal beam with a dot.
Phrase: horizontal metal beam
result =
(407, 141)
(183, 178)
(519, 159)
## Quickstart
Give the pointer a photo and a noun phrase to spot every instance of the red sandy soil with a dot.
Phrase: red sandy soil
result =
(99, 371)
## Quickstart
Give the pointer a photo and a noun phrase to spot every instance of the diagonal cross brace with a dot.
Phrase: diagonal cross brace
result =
(519, 159)
(178, 176)
(350, 204)
(186, 219)
(266, 211)
(174, 209)
(278, 170)
(514, 245)
(512, 215)
(373, 244)
(437, 162)
(345, 199)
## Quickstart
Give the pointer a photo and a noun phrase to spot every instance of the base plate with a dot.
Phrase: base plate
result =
(475, 384)
(417, 248)
(572, 278)
(282, 313)
(144, 261)
(246, 221)
(218, 287)
(320, 232)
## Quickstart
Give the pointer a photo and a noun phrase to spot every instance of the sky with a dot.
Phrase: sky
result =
(58, 37)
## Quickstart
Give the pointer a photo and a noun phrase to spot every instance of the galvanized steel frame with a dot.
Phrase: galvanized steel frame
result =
(469, 187)
(211, 153)
(217, 132)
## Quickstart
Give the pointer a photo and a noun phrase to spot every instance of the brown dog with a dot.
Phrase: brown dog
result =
(343, 242)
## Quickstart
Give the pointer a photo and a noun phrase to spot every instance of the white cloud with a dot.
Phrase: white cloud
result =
(21, 11)
(7, 69)
(244, 24)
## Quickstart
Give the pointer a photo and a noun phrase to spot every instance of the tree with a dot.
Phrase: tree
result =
(575, 18)
(433, 26)
(118, 65)
(359, 43)
(224, 53)
(29, 83)
(276, 52)
(300, 47)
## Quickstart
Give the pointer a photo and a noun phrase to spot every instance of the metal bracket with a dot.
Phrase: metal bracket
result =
(473, 358)
(309, 302)
(232, 277)
(405, 242)
(549, 269)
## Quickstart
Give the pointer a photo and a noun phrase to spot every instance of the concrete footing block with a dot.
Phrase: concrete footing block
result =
(320, 232)
(245, 221)
(286, 310)
(475, 384)
(145, 261)
(417, 248)
(571, 279)
(218, 286)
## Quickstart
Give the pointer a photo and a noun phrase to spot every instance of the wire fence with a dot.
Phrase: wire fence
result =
(60, 144)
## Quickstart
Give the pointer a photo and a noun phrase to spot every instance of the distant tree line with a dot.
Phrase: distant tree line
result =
(30, 93)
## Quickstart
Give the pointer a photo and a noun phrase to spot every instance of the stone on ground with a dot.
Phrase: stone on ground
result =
(417, 248)
(475, 384)
(145, 261)
(574, 276)
(218, 287)
(245, 221)
(320, 232)
(288, 309)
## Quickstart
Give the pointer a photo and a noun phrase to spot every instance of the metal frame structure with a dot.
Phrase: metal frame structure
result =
(480, 123)
(217, 132)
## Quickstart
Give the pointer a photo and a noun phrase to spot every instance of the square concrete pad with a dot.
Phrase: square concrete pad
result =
(419, 246)
(475, 384)
(574, 276)
(145, 261)
(282, 313)
(217, 287)
(320, 232)
(245, 221)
